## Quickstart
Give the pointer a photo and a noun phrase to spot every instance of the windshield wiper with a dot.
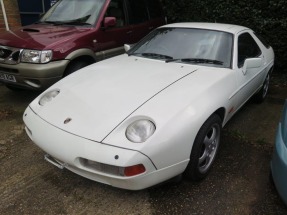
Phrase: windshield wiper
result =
(154, 55)
(79, 21)
(65, 23)
(46, 22)
(196, 60)
(75, 23)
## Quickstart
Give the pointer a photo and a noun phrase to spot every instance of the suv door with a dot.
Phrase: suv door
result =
(144, 16)
(110, 40)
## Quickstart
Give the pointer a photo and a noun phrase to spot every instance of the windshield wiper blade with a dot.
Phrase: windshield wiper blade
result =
(66, 23)
(196, 60)
(75, 23)
(157, 56)
(79, 21)
(52, 22)
(46, 22)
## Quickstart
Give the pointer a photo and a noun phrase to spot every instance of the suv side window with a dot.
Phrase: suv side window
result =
(116, 9)
(154, 9)
(138, 11)
(247, 48)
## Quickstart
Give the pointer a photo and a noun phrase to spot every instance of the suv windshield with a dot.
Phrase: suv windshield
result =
(186, 45)
(75, 12)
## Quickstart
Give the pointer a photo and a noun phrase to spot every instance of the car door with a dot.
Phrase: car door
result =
(110, 40)
(248, 80)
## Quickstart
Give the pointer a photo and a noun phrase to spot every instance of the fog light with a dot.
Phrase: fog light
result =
(113, 170)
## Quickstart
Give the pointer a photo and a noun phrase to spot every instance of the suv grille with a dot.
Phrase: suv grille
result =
(9, 55)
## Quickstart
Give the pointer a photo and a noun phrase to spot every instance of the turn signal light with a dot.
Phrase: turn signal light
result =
(134, 170)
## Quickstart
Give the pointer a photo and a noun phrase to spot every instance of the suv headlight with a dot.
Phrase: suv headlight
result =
(140, 130)
(34, 56)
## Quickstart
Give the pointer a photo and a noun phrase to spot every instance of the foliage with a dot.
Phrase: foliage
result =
(266, 17)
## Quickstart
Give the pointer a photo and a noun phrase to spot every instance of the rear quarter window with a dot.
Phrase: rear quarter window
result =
(247, 48)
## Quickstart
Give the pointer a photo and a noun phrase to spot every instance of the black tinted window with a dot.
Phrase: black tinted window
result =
(247, 48)
(116, 9)
(138, 11)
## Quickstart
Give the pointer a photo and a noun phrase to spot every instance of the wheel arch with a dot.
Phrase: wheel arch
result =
(221, 113)
(82, 53)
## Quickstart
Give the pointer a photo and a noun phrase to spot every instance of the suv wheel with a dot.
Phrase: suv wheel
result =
(74, 66)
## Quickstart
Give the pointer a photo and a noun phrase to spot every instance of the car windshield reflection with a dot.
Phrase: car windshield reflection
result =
(192, 46)
(73, 12)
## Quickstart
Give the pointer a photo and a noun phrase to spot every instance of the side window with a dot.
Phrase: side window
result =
(138, 12)
(247, 48)
(154, 9)
(116, 9)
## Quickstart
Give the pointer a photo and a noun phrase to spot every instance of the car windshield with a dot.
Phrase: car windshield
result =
(74, 12)
(187, 45)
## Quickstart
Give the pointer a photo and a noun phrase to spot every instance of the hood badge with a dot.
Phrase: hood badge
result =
(67, 120)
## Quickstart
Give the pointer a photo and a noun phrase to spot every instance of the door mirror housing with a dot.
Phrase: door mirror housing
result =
(251, 63)
(127, 47)
(110, 22)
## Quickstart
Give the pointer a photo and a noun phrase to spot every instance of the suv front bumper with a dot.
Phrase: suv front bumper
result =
(32, 76)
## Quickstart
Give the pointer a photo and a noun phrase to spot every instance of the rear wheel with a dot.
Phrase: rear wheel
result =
(74, 66)
(261, 95)
(204, 149)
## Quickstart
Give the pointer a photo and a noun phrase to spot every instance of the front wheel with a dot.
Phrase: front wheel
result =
(204, 149)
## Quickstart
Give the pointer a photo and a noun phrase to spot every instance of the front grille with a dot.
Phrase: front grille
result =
(9, 55)
(2, 69)
(4, 53)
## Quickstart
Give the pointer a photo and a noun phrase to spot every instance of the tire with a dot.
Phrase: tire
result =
(261, 95)
(204, 149)
(74, 66)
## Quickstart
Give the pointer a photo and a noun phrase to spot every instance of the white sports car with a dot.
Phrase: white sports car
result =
(157, 111)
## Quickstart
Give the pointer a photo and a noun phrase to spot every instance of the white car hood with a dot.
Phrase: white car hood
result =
(99, 97)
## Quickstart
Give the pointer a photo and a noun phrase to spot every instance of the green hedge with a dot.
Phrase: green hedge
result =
(266, 17)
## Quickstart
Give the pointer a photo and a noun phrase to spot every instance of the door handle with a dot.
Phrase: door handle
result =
(150, 28)
(129, 32)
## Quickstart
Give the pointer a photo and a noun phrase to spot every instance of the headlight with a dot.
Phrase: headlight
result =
(34, 56)
(48, 96)
(140, 130)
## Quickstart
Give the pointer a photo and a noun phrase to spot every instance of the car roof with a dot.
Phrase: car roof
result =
(210, 26)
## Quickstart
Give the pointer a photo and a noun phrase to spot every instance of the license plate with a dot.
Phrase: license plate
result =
(7, 77)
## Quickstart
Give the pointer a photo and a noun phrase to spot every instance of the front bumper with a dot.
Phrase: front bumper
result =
(68, 149)
(279, 165)
(33, 76)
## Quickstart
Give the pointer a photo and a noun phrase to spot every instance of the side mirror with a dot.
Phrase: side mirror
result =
(251, 63)
(127, 47)
(110, 22)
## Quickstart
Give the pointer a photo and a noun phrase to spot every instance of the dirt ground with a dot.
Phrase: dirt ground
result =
(239, 183)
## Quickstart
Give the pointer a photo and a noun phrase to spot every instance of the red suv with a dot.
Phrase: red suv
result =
(72, 35)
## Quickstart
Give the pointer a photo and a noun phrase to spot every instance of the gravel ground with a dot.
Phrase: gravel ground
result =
(239, 183)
